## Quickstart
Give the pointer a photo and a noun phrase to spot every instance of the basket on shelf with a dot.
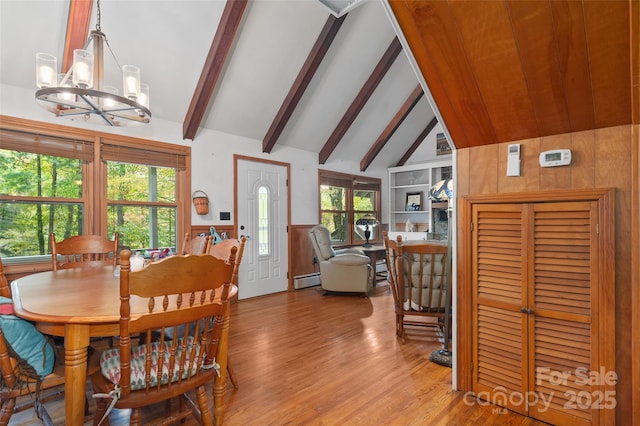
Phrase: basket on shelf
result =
(201, 202)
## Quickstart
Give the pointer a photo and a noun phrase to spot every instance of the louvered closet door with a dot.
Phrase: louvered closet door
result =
(562, 325)
(499, 271)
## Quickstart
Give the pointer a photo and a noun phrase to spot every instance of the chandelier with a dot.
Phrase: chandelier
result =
(80, 94)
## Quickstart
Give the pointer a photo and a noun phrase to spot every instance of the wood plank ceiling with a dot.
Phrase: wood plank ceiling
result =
(502, 70)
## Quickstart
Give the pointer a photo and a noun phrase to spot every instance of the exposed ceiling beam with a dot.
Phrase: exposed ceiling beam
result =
(417, 142)
(361, 99)
(77, 30)
(212, 70)
(391, 128)
(311, 64)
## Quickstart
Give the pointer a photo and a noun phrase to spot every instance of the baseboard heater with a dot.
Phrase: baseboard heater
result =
(304, 281)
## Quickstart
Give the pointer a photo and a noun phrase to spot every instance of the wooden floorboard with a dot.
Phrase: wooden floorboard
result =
(303, 358)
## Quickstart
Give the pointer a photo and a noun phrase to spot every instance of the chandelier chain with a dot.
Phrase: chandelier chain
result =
(98, 27)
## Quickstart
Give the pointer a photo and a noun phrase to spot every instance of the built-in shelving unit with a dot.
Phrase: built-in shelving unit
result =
(409, 196)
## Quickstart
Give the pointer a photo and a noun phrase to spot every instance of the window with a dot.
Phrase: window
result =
(263, 222)
(141, 195)
(343, 200)
(49, 183)
(42, 191)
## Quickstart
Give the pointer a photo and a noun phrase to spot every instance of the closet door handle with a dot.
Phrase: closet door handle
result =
(523, 310)
(530, 311)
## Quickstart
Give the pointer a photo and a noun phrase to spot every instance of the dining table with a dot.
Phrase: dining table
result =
(76, 304)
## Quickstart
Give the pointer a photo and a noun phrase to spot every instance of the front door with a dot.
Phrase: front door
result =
(262, 217)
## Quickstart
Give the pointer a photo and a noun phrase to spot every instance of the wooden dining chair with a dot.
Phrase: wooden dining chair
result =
(223, 250)
(195, 245)
(16, 382)
(19, 380)
(83, 250)
(417, 275)
(187, 297)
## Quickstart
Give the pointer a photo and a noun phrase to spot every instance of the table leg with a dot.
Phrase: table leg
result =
(76, 341)
(373, 255)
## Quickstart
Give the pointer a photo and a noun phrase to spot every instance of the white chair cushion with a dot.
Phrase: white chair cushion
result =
(350, 259)
(322, 237)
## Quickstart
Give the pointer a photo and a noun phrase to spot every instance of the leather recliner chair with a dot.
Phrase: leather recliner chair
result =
(343, 270)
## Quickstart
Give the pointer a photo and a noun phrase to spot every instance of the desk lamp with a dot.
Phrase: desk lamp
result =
(367, 221)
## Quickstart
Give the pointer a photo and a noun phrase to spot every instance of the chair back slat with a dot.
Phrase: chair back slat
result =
(83, 250)
(417, 275)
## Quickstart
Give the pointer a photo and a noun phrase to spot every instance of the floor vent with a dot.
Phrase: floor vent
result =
(304, 281)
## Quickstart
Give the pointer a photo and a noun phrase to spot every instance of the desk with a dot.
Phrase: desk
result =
(77, 304)
(374, 252)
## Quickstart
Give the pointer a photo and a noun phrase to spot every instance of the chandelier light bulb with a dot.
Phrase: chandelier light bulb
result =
(46, 70)
(65, 81)
(83, 68)
(131, 81)
(110, 102)
(143, 98)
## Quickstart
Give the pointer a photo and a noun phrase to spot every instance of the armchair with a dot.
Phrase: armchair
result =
(343, 270)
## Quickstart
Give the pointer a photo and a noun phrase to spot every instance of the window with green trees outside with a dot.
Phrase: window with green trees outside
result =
(344, 199)
(51, 184)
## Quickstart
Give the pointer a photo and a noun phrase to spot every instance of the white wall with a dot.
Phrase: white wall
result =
(212, 164)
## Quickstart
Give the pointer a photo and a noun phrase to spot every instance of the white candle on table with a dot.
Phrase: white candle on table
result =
(137, 262)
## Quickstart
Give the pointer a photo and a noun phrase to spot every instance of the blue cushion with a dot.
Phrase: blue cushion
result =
(27, 342)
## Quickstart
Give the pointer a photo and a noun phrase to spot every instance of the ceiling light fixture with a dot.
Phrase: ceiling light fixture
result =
(80, 93)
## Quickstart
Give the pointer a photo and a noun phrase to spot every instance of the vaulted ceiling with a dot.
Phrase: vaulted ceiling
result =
(287, 73)
(290, 73)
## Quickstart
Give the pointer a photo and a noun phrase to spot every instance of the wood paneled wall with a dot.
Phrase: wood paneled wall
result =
(301, 251)
(601, 158)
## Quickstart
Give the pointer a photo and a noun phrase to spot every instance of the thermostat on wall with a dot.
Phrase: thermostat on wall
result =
(555, 157)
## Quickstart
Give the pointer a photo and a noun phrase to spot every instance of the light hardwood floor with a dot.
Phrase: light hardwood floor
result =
(306, 359)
